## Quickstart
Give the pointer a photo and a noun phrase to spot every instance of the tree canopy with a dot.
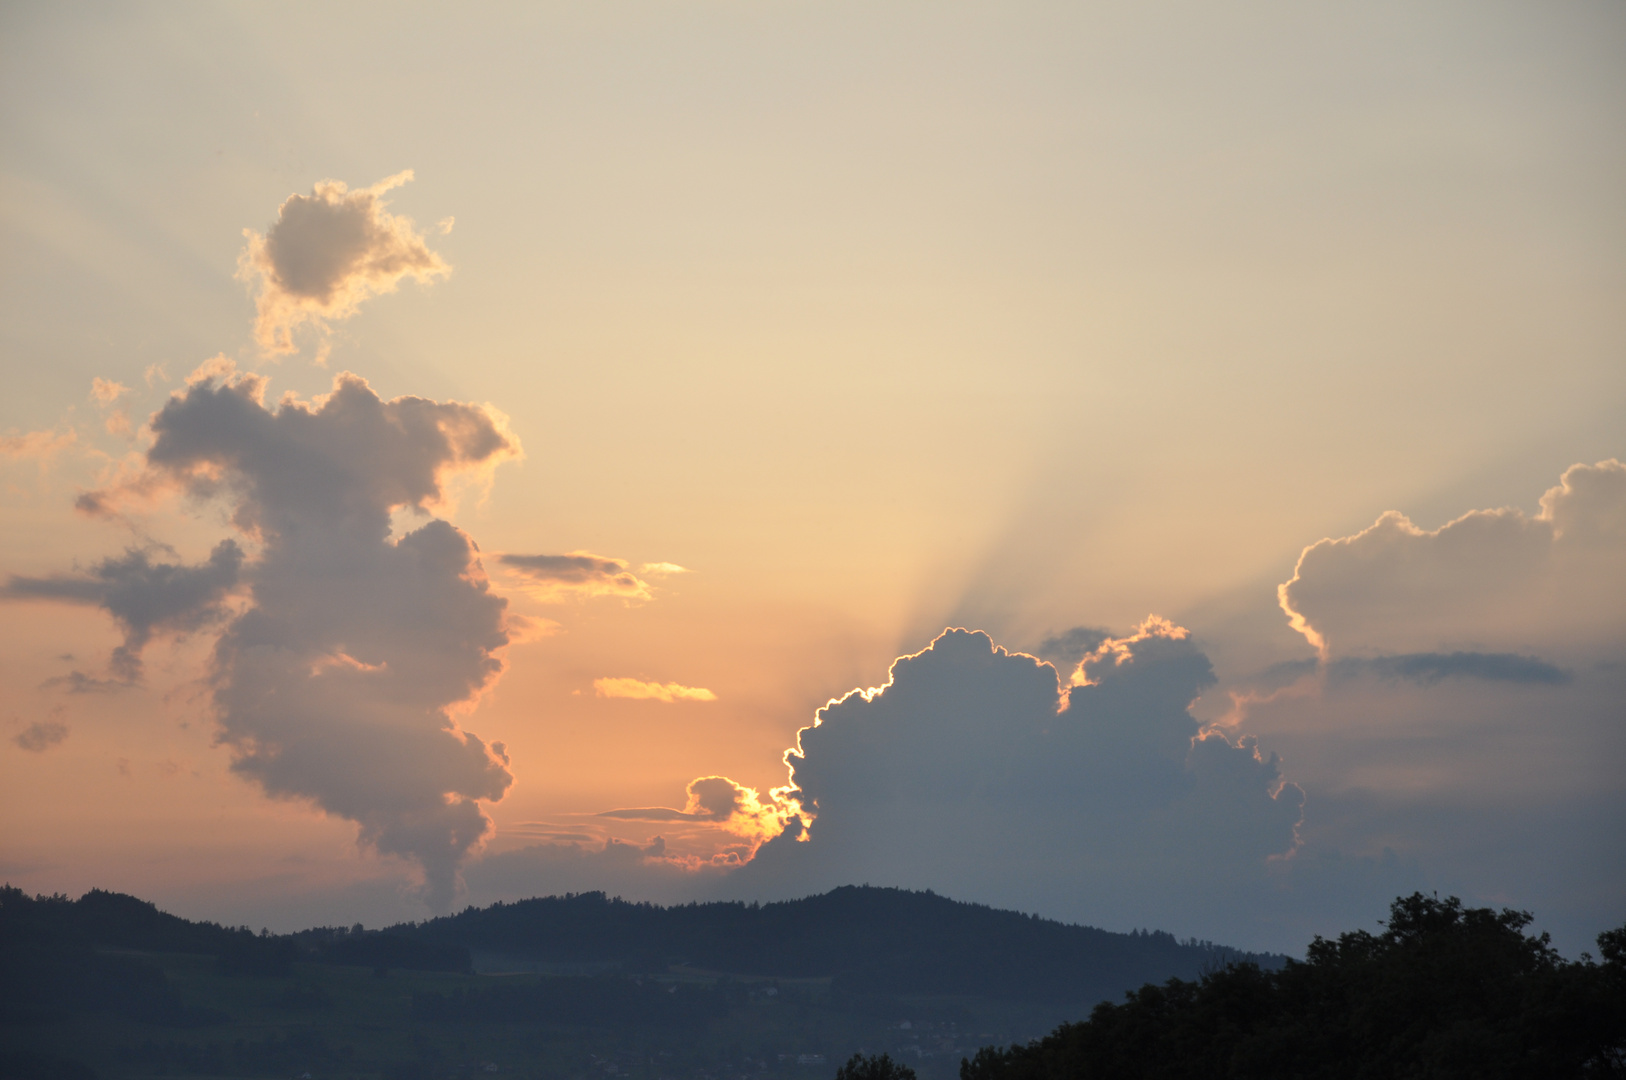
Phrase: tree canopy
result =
(1444, 991)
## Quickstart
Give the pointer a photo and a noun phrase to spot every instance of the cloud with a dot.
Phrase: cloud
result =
(1464, 708)
(639, 690)
(40, 446)
(144, 597)
(1490, 581)
(326, 253)
(342, 679)
(972, 770)
(1429, 668)
(1065, 650)
(578, 575)
(719, 801)
(106, 391)
(40, 736)
(1422, 669)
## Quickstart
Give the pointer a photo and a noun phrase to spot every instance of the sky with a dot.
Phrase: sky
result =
(1150, 465)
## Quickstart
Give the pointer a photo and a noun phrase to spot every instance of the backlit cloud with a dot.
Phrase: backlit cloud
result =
(1464, 709)
(639, 690)
(326, 253)
(1490, 581)
(972, 770)
(717, 800)
(342, 679)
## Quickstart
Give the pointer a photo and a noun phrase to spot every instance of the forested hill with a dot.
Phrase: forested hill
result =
(871, 940)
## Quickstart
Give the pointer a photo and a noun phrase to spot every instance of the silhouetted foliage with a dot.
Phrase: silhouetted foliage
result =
(874, 1067)
(50, 967)
(1445, 991)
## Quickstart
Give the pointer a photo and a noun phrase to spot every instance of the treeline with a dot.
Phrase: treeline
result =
(53, 963)
(1444, 991)
(871, 940)
(55, 959)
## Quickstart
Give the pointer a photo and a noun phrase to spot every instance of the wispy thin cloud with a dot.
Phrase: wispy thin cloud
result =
(639, 690)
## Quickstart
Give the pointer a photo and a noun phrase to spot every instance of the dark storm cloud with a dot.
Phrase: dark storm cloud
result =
(143, 596)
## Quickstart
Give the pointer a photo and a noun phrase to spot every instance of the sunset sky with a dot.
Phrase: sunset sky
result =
(448, 456)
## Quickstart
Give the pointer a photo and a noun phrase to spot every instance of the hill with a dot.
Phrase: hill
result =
(868, 940)
(108, 985)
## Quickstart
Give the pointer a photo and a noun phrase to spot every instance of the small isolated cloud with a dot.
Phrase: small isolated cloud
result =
(326, 253)
(575, 576)
(40, 736)
(639, 690)
(662, 569)
(1490, 581)
(144, 597)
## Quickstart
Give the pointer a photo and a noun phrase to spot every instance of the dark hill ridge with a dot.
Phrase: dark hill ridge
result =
(870, 940)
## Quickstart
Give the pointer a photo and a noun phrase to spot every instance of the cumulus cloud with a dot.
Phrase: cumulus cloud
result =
(1464, 705)
(40, 736)
(639, 690)
(144, 597)
(975, 771)
(342, 679)
(1490, 581)
(326, 253)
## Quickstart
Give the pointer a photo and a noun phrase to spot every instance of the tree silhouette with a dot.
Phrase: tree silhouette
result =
(1444, 991)
(875, 1067)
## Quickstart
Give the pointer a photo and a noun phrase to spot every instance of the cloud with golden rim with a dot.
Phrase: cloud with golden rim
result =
(982, 771)
(1498, 581)
(326, 253)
